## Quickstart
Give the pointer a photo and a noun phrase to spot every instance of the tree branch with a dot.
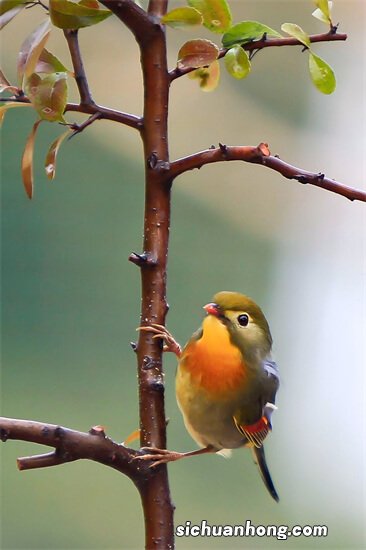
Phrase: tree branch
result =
(77, 63)
(266, 42)
(71, 445)
(134, 17)
(158, 8)
(105, 113)
(261, 155)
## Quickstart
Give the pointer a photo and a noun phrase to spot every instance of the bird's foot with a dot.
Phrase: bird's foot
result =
(170, 344)
(158, 456)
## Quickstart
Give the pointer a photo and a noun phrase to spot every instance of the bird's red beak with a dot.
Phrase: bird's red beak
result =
(212, 309)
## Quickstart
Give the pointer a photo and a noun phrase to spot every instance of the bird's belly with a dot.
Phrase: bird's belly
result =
(208, 422)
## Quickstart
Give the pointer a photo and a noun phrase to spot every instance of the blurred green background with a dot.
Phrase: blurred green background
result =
(70, 299)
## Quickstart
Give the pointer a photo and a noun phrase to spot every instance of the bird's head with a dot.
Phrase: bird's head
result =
(245, 322)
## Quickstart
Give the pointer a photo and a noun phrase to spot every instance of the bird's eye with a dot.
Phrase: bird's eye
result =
(243, 320)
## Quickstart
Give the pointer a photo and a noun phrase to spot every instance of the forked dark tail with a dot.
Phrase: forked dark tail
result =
(260, 459)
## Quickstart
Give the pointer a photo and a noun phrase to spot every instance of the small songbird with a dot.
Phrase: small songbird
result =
(226, 382)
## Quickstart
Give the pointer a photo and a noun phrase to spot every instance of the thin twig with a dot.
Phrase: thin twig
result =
(261, 155)
(104, 113)
(266, 42)
(78, 128)
(77, 63)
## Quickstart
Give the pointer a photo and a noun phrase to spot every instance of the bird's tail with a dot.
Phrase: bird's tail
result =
(260, 459)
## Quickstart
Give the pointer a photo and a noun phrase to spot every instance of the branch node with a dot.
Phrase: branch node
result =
(78, 128)
(142, 260)
(45, 431)
(4, 434)
(149, 363)
(152, 160)
(59, 432)
(98, 430)
(223, 149)
(263, 149)
(133, 346)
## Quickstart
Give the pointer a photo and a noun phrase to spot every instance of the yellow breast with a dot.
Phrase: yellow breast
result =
(213, 362)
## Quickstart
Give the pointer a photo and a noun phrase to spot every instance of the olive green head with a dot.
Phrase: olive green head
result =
(245, 321)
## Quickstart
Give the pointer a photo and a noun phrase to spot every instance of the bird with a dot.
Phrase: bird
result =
(226, 382)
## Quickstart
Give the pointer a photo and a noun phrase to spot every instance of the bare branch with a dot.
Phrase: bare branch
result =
(78, 128)
(261, 155)
(104, 113)
(69, 445)
(77, 63)
(42, 461)
(266, 42)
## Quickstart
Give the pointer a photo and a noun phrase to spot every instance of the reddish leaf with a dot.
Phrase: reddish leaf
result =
(5, 85)
(27, 161)
(197, 53)
(10, 105)
(31, 49)
(50, 162)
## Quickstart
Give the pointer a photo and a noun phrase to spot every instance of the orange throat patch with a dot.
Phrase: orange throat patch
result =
(213, 362)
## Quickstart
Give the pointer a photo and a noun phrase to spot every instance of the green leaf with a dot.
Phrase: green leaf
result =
(294, 30)
(321, 74)
(197, 53)
(31, 49)
(9, 15)
(216, 14)
(321, 15)
(8, 5)
(323, 6)
(27, 161)
(182, 17)
(247, 31)
(48, 63)
(10, 105)
(237, 62)
(48, 95)
(208, 76)
(68, 15)
(50, 162)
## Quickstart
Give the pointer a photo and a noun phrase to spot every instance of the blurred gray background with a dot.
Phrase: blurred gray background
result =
(70, 299)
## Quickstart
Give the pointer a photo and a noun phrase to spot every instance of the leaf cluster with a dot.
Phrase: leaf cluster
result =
(215, 15)
(43, 78)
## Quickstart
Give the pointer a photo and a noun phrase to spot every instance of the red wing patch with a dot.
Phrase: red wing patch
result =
(255, 433)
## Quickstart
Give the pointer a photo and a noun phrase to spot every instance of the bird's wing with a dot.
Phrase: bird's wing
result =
(256, 432)
(271, 381)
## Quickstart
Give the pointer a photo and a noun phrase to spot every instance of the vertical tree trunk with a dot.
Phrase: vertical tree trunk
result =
(158, 509)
